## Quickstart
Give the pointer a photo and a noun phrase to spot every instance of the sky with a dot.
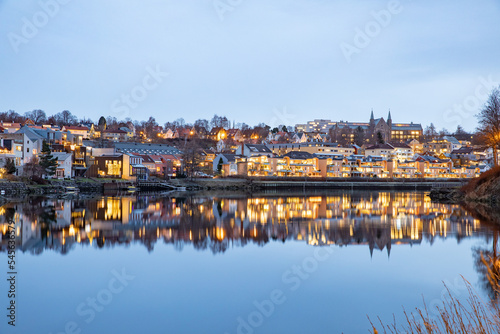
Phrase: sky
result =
(276, 62)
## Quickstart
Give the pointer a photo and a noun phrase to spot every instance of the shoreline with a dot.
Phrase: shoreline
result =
(235, 184)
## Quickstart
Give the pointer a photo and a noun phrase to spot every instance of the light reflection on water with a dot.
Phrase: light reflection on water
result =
(216, 223)
(230, 250)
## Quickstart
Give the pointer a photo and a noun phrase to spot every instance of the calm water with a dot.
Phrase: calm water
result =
(294, 263)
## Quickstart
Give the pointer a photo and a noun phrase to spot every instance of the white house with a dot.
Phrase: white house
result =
(64, 164)
(221, 146)
(18, 146)
(77, 130)
(402, 152)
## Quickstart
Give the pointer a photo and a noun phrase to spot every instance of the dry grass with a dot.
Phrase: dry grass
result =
(475, 316)
(487, 176)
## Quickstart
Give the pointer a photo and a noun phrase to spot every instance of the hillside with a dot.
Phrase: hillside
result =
(484, 189)
(481, 196)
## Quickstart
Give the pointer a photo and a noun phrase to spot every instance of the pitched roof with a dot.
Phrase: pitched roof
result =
(76, 128)
(141, 148)
(452, 140)
(216, 130)
(146, 158)
(114, 131)
(30, 133)
(407, 126)
(260, 148)
(299, 155)
(380, 146)
(463, 150)
(230, 157)
(399, 145)
(61, 156)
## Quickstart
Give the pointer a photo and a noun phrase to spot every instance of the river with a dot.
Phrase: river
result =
(236, 263)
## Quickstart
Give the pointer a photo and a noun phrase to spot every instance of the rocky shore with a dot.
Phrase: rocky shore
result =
(481, 196)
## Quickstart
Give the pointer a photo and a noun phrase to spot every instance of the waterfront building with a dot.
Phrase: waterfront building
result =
(311, 147)
(64, 165)
(20, 147)
(112, 166)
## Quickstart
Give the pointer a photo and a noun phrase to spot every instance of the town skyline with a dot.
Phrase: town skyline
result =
(11, 115)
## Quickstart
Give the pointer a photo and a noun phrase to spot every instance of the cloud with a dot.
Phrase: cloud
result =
(263, 55)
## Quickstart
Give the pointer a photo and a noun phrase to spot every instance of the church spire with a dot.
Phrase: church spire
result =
(389, 118)
(371, 116)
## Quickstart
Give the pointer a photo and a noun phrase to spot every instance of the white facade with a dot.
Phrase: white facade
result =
(64, 162)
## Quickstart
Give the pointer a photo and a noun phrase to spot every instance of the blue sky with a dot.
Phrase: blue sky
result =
(279, 61)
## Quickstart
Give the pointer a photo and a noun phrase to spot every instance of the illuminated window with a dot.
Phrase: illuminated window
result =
(114, 168)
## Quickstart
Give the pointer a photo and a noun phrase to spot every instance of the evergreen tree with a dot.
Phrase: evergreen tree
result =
(10, 166)
(219, 166)
(359, 136)
(102, 124)
(47, 161)
(380, 138)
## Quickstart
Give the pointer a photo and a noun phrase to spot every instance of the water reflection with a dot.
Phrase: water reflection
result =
(378, 220)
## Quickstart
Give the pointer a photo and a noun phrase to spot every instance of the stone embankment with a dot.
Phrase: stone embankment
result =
(313, 184)
(13, 188)
(481, 196)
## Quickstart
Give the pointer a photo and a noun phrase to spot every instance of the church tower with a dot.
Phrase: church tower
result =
(371, 128)
(389, 125)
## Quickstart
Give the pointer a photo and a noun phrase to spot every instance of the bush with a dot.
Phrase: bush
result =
(38, 180)
(484, 177)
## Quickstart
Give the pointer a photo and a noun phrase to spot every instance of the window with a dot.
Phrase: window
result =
(27, 150)
(114, 169)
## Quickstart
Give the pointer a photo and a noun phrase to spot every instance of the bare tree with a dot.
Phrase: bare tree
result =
(219, 122)
(443, 132)
(65, 117)
(38, 116)
(489, 122)
(11, 116)
(191, 154)
(33, 168)
(430, 132)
